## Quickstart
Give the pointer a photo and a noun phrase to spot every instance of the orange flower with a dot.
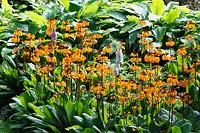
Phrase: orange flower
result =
(135, 68)
(172, 79)
(142, 22)
(189, 37)
(170, 43)
(151, 58)
(30, 36)
(107, 49)
(18, 33)
(190, 25)
(142, 76)
(144, 42)
(168, 58)
(51, 59)
(15, 39)
(146, 33)
(182, 51)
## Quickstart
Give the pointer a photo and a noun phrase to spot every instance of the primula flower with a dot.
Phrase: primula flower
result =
(135, 68)
(190, 25)
(144, 77)
(172, 79)
(144, 42)
(182, 51)
(142, 22)
(170, 43)
(146, 33)
(189, 37)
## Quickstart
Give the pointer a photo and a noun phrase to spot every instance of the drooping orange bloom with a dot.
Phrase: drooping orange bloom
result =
(189, 37)
(170, 43)
(143, 76)
(151, 58)
(144, 42)
(142, 22)
(190, 25)
(168, 58)
(182, 51)
(146, 33)
(172, 79)
(135, 68)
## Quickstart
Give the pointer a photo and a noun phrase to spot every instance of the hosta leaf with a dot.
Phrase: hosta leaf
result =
(89, 130)
(38, 19)
(159, 32)
(175, 129)
(69, 108)
(171, 16)
(6, 7)
(132, 18)
(37, 110)
(157, 7)
(90, 8)
(65, 3)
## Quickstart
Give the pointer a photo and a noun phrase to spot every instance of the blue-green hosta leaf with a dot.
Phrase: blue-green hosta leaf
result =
(65, 3)
(159, 32)
(171, 16)
(117, 15)
(38, 19)
(157, 7)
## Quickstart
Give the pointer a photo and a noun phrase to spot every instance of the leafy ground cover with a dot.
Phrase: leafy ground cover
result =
(99, 66)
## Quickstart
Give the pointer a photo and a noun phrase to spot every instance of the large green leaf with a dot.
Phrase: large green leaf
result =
(6, 7)
(157, 7)
(175, 129)
(65, 3)
(37, 110)
(171, 16)
(38, 19)
(69, 108)
(159, 32)
(89, 130)
(90, 8)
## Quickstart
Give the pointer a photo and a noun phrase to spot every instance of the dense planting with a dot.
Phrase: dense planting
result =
(100, 67)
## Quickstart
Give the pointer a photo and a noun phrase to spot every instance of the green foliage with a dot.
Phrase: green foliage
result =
(60, 101)
(157, 7)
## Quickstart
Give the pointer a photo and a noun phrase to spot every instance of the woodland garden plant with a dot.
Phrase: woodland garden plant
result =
(100, 66)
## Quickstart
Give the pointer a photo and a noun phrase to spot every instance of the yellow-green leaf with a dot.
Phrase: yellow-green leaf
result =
(38, 19)
(157, 7)
(132, 18)
(171, 16)
(65, 3)
(6, 7)
(90, 8)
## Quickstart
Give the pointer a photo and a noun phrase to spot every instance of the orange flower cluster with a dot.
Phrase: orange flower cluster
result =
(151, 58)
(16, 36)
(170, 43)
(51, 26)
(190, 25)
(143, 76)
(182, 51)
(168, 58)
(172, 79)
(135, 58)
